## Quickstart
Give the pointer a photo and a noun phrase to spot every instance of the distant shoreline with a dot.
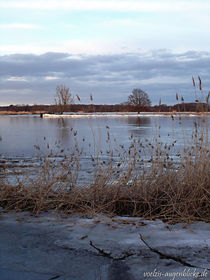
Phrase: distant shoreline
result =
(196, 107)
(72, 114)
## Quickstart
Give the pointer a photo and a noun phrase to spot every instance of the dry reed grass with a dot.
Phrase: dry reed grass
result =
(20, 112)
(164, 188)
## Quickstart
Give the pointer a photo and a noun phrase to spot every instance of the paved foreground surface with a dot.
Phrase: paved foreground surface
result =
(49, 247)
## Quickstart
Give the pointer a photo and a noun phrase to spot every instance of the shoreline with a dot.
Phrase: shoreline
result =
(75, 114)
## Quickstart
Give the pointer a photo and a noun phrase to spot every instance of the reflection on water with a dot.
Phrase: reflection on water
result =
(63, 130)
(139, 125)
(139, 121)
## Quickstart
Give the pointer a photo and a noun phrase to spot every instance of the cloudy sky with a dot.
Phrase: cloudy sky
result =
(104, 48)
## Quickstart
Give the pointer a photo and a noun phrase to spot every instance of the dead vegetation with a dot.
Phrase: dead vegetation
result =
(147, 179)
(21, 112)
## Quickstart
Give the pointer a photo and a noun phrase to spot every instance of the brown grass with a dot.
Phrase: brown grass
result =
(20, 112)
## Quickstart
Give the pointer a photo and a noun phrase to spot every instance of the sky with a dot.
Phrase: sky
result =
(104, 48)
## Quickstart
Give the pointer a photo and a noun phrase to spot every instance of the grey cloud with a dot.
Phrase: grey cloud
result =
(110, 77)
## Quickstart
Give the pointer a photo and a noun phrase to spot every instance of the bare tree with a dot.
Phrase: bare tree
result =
(139, 99)
(63, 98)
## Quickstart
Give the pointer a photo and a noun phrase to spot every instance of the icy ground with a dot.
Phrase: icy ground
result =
(100, 247)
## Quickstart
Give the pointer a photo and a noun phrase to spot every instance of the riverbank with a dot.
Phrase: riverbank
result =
(51, 246)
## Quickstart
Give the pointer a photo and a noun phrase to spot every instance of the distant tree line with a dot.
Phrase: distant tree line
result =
(89, 108)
